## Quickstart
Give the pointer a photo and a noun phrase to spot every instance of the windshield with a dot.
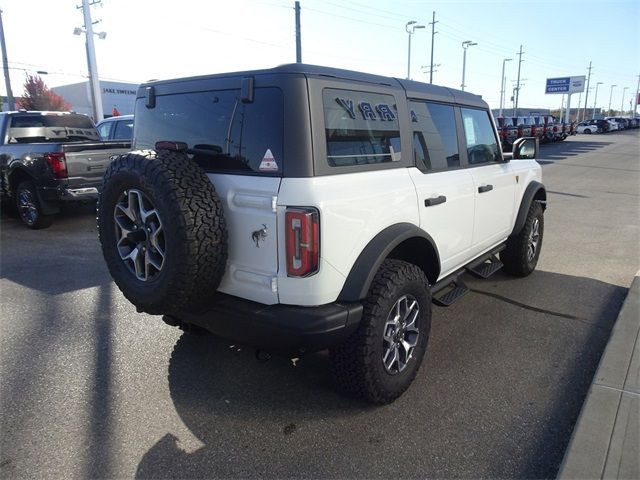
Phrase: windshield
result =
(54, 127)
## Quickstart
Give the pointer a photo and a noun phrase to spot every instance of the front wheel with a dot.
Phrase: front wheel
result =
(29, 208)
(520, 257)
(380, 359)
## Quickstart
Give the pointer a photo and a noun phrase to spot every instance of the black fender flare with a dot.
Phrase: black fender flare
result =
(377, 250)
(529, 194)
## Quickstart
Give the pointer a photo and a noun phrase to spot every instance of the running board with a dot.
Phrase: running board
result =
(454, 291)
(485, 268)
(455, 288)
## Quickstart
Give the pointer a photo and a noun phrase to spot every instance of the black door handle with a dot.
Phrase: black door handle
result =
(429, 202)
(485, 188)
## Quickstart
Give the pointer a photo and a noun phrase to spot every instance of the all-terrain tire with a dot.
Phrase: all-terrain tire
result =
(358, 363)
(194, 235)
(517, 257)
(29, 207)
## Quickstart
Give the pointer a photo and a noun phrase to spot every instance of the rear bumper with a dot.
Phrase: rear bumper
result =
(64, 194)
(279, 328)
(77, 194)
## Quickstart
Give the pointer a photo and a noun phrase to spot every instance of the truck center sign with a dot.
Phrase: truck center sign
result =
(565, 85)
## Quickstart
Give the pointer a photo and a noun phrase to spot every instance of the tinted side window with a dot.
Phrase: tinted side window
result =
(224, 134)
(435, 135)
(123, 130)
(361, 128)
(482, 146)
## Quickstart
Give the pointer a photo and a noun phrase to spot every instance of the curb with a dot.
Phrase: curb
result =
(605, 440)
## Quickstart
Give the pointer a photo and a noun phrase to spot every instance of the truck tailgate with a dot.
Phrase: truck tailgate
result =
(86, 162)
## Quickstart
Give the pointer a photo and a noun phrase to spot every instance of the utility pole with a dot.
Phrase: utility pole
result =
(5, 67)
(433, 34)
(518, 82)
(586, 96)
(94, 80)
(298, 39)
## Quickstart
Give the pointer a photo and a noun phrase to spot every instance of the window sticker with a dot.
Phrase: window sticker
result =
(268, 163)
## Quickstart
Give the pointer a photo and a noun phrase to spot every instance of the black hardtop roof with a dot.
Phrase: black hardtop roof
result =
(412, 88)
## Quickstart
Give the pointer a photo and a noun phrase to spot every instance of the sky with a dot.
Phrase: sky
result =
(159, 39)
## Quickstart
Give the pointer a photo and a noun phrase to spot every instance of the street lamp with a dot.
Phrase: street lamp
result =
(94, 79)
(466, 44)
(622, 104)
(595, 101)
(610, 96)
(502, 87)
(410, 27)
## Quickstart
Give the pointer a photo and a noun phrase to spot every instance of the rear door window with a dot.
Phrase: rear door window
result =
(223, 133)
(361, 128)
(435, 136)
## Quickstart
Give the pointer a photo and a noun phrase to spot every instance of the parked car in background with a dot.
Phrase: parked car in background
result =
(622, 124)
(614, 126)
(116, 128)
(587, 127)
(48, 158)
(508, 132)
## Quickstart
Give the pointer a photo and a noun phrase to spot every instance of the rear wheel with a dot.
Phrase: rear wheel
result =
(381, 359)
(586, 130)
(29, 207)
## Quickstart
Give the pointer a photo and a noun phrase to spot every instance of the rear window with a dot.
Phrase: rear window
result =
(222, 133)
(58, 128)
(361, 128)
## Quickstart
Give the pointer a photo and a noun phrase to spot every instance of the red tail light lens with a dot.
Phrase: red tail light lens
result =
(303, 241)
(58, 164)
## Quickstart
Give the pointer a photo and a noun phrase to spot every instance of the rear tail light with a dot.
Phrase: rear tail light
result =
(520, 133)
(302, 229)
(58, 164)
(533, 130)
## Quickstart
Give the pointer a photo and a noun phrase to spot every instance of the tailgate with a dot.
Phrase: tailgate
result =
(86, 163)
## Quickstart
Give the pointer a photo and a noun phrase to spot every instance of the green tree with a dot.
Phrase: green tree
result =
(37, 96)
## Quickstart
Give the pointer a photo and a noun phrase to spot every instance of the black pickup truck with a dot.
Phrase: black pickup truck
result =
(48, 158)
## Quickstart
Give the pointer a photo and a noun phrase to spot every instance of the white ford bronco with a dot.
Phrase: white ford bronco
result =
(303, 208)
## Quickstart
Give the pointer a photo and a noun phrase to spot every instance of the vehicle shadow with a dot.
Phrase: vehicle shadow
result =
(500, 390)
(568, 148)
(70, 245)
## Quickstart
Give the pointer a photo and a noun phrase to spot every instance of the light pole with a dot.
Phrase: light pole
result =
(466, 44)
(410, 27)
(622, 104)
(94, 80)
(502, 87)
(595, 101)
(610, 96)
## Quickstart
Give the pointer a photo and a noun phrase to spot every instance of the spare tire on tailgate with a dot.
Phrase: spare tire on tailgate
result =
(162, 231)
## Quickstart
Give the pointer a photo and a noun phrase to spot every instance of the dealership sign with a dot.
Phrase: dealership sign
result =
(565, 85)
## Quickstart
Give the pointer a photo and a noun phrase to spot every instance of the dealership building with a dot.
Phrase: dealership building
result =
(116, 96)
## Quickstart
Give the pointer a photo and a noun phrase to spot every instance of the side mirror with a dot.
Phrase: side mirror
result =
(527, 148)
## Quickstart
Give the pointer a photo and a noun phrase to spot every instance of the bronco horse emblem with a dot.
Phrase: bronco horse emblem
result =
(259, 235)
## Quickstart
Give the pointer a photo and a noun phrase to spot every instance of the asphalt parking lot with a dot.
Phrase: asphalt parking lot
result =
(90, 388)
